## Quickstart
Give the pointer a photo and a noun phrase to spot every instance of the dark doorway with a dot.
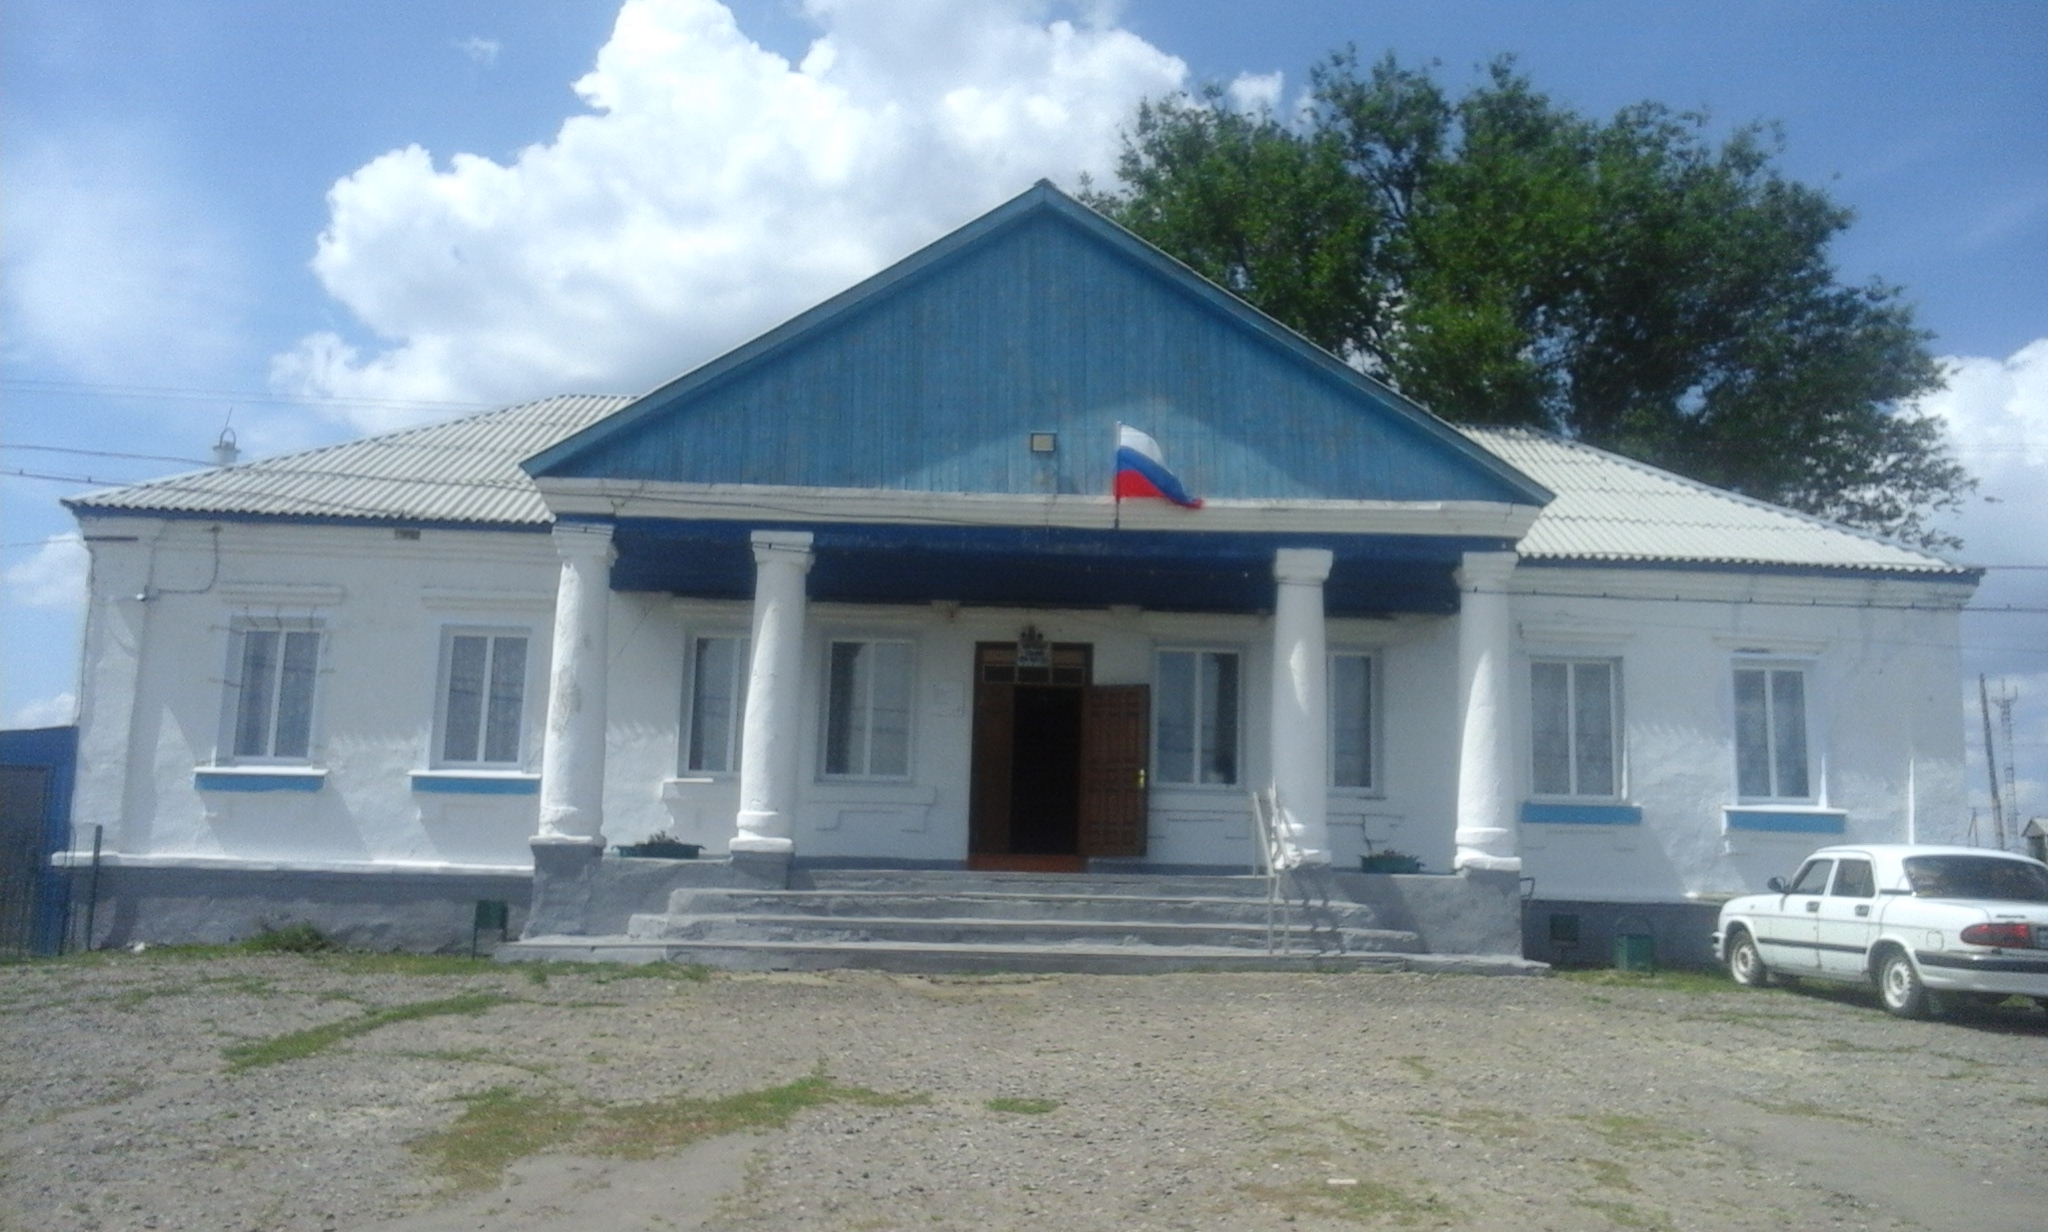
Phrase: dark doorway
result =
(1059, 762)
(1045, 771)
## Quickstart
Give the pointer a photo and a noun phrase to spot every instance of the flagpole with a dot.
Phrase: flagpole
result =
(1116, 499)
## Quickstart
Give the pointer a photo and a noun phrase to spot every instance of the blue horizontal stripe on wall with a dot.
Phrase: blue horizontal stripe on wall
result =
(228, 780)
(1581, 814)
(1785, 822)
(477, 785)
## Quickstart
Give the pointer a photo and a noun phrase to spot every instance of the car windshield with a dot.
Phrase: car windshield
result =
(1977, 877)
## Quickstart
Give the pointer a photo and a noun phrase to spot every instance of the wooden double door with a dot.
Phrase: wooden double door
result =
(1060, 762)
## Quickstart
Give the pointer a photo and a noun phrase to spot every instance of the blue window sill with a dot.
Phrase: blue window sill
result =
(476, 782)
(1558, 814)
(1784, 820)
(259, 778)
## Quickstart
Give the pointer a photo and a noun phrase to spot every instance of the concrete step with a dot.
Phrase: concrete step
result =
(978, 929)
(978, 958)
(897, 903)
(955, 881)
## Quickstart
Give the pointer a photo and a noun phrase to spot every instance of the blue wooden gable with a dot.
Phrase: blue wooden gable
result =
(1040, 316)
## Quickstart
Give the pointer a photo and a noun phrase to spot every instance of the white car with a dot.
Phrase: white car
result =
(1927, 925)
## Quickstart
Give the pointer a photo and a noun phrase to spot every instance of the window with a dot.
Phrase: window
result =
(867, 710)
(718, 704)
(1854, 880)
(1351, 715)
(1770, 734)
(1197, 716)
(1573, 735)
(1812, 879)
(270, 685)
(483, 697)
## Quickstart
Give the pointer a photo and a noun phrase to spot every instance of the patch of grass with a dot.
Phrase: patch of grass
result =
(298, 938)
(605, 973)
(1609, 1174)
(1807, 1108)
(1007, 1103)
(1364, 1202)
(1626, 1215)
(1842, 1045)
(1693, 983)
(1490, 1124)
(1422, 1069)
(497, 1128)
(363, 963)
(1638, 1133)
(296, 1045)
(643, 1131)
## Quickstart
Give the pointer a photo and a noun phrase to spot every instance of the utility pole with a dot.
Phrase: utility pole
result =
(1991, 765)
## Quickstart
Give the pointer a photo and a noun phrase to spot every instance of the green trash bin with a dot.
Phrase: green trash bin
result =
(1635, 945)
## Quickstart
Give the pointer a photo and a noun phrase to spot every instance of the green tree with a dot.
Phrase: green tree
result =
(1502, 259)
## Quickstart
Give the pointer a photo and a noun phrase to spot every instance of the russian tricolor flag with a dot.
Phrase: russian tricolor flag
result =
(1141, 470)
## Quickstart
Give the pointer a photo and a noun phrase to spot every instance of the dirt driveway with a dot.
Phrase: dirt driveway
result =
(333, 1092)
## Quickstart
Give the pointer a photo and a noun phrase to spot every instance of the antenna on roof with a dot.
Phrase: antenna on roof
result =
(225, 451)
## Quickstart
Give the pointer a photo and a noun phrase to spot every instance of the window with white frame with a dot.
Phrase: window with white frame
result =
(1574, 727)
(483, 697)
(718, 704)
(1195, 709)
(1352, 763)
(271, 673)
(867, 709)
(1770, 732)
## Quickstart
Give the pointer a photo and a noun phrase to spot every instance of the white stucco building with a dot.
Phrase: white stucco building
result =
(856, 594)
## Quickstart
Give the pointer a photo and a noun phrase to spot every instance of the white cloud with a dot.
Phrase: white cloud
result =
(714, 190)
(480, 49)
(1255, 92)
(1996, 411)
(57, 711)
(1997, 415)
(111, 268)
(52, 578)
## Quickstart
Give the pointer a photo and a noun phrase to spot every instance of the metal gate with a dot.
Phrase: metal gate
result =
(35, 807)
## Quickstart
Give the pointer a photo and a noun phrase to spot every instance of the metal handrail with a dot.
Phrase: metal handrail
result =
(1274, 858)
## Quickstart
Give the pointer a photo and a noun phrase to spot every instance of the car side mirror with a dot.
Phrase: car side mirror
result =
(1775, 885)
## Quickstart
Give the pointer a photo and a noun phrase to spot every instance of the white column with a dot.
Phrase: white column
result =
(1486, 781)
(1301, 704)
(572, 750)
(773, 722)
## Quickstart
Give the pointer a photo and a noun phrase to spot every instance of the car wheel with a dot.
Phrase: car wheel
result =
(1899, 987)
(1745, 964)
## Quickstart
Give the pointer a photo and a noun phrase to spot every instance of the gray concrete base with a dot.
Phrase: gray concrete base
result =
(759, 912)
(926, 959)
(418, 912)
(1574, 933)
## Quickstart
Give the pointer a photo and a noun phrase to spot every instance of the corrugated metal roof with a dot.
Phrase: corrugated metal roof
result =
(1611, 508)
(1608, 508)
(464, 471)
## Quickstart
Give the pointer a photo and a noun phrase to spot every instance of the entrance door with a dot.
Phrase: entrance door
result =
(1059, 763)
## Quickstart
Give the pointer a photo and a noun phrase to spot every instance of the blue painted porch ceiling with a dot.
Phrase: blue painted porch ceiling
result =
(1046, 567)
(1040, 317)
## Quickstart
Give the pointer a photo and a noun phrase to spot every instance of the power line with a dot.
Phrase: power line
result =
(84, 389)
(105, 453)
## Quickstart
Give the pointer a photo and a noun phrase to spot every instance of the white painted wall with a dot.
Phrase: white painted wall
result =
(1883, 688)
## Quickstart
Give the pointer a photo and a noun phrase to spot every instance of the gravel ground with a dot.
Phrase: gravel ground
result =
(1071, 1102)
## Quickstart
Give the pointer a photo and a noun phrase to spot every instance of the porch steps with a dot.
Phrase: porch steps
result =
(943, 959)
(932, 921)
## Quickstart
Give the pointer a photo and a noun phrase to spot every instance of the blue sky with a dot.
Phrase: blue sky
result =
(167, 169)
